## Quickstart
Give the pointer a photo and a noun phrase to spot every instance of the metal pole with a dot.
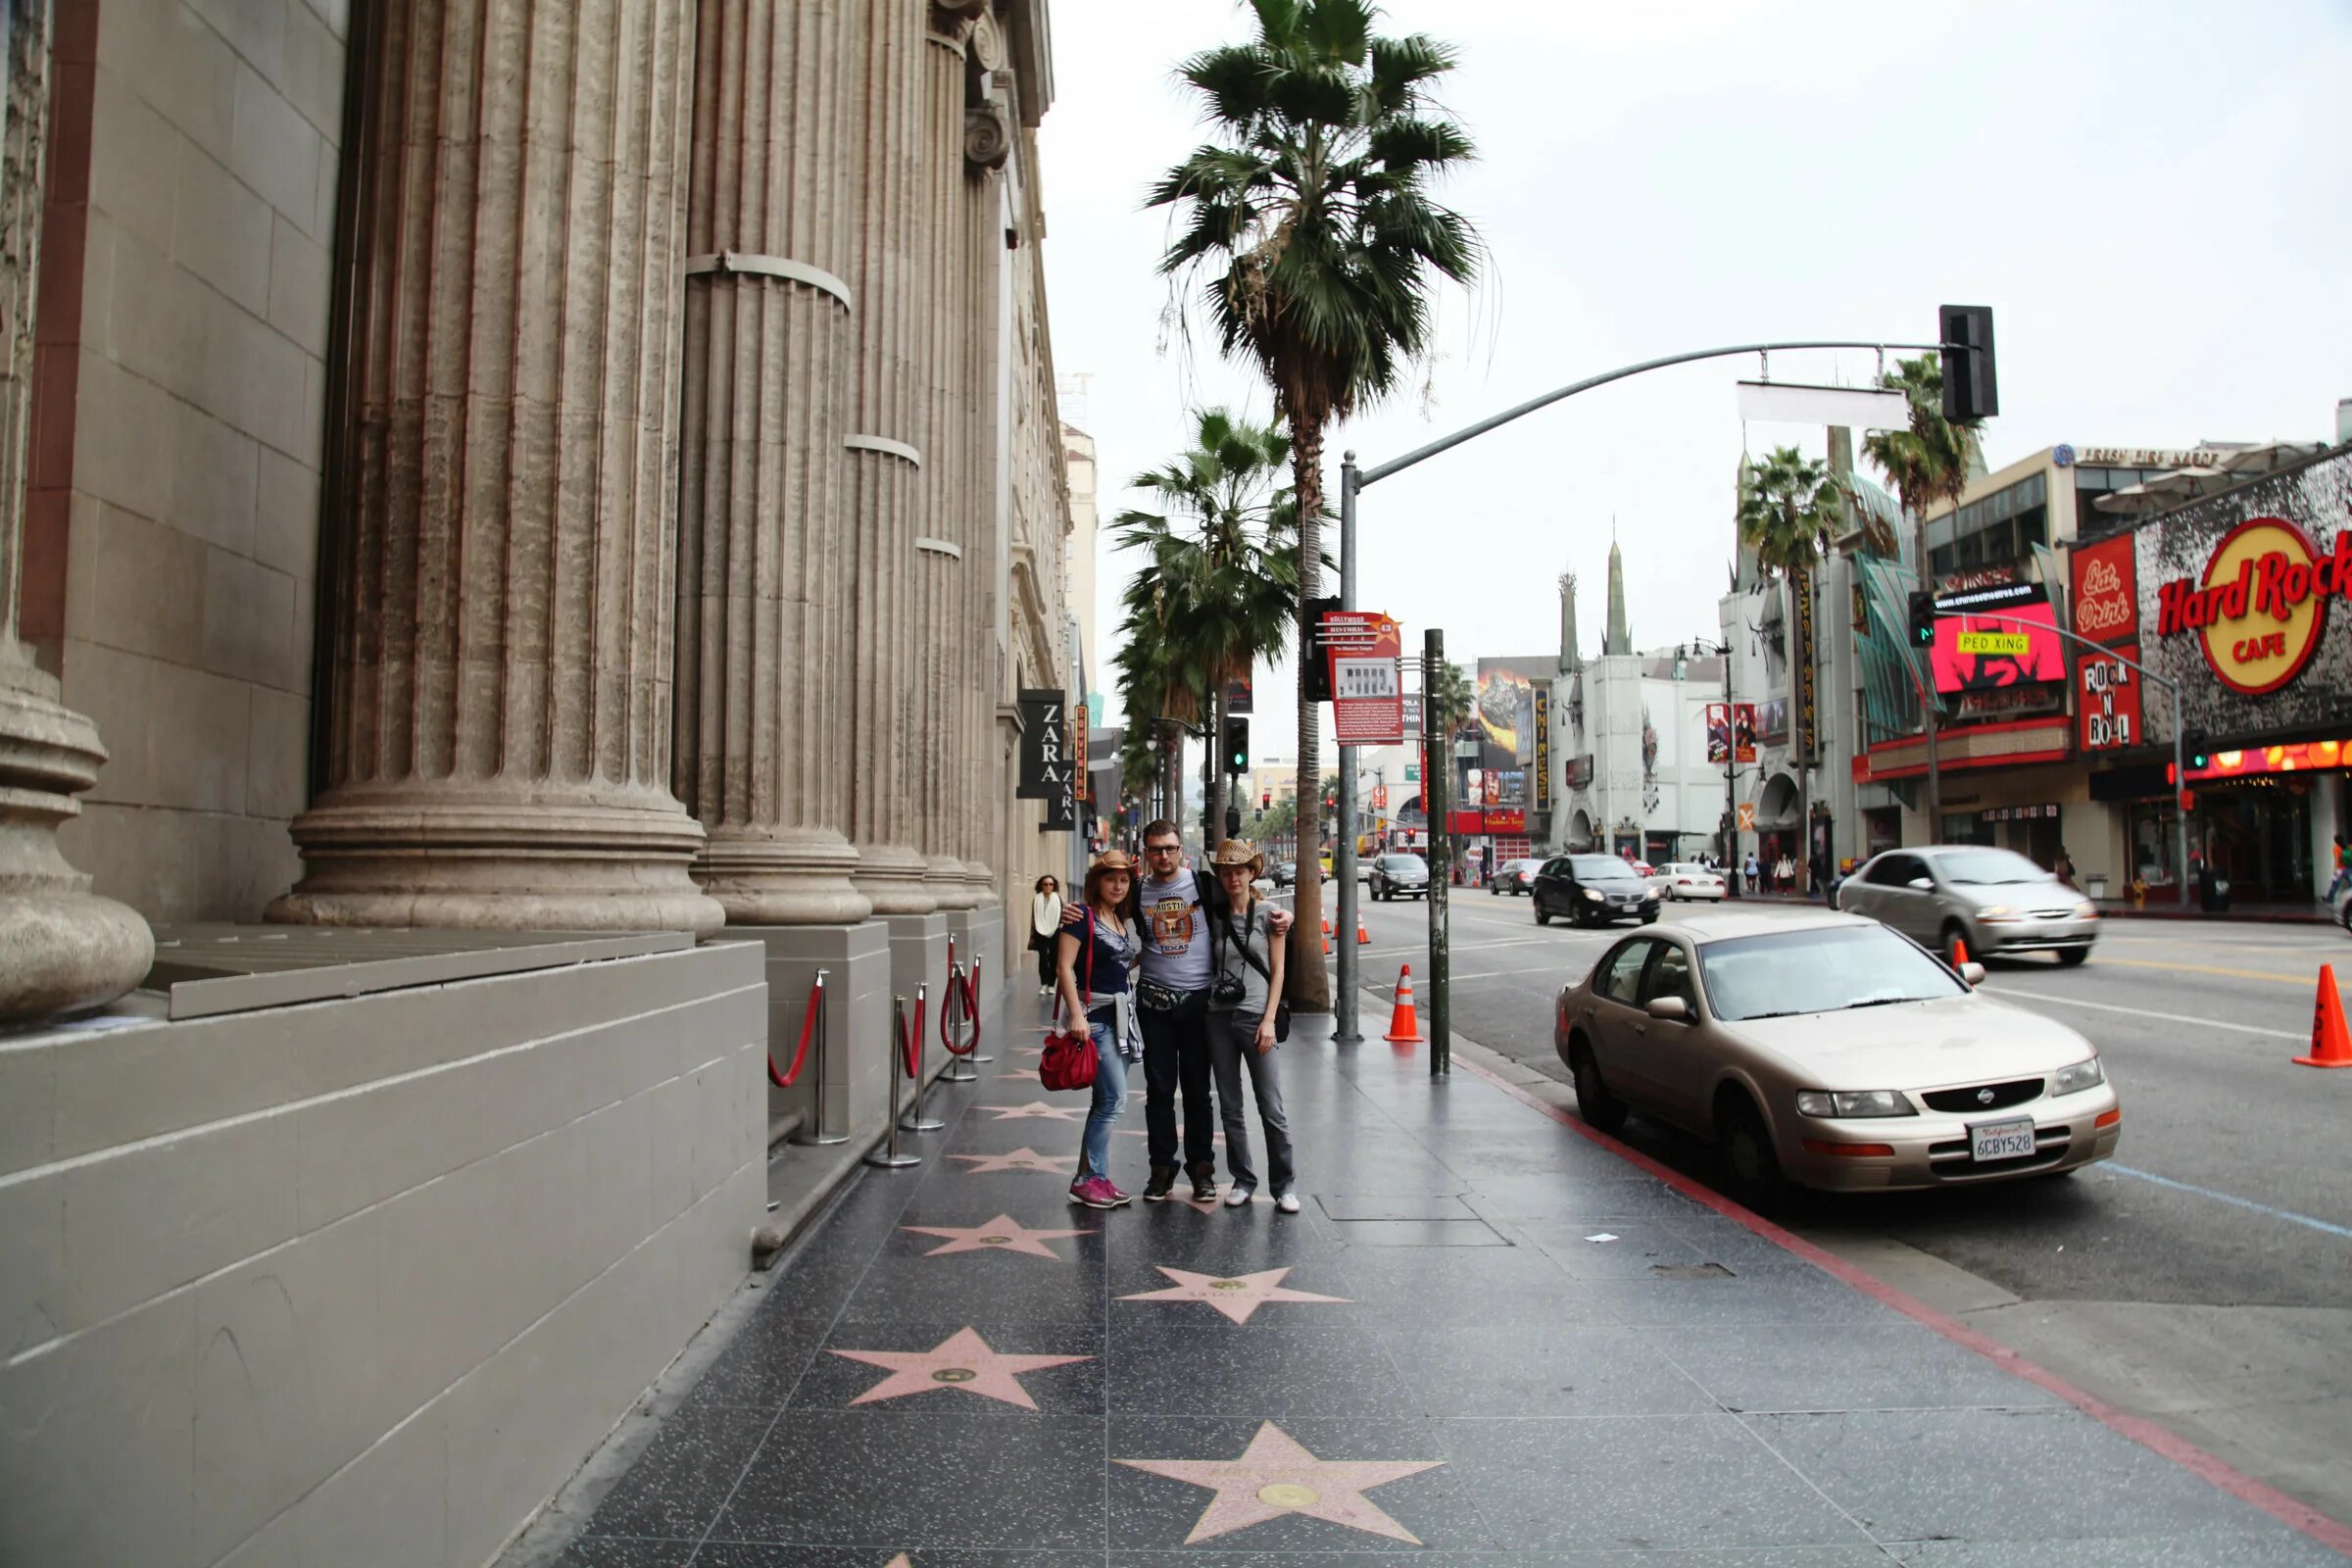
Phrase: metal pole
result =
(2180, 786)
(916, 1122)
(1730, 772)
(824, 1060)
(888, 1157)
(1434, 790)
(1345, 1030)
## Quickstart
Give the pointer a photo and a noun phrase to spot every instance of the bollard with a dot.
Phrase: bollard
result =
(888, 1157)
(960, 1067)
(971, 1013)
(916, 1121)
(814, 1132)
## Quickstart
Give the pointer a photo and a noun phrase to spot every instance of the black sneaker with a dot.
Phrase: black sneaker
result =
(1205, 1186)
(1157, 1189)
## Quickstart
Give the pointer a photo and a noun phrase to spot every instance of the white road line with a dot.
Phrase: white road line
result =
(2145, 1012)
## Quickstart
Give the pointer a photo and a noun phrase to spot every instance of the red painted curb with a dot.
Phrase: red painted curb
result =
(2147, 1434)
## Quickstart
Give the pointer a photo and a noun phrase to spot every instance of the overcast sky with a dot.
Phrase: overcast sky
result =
(2155, 198)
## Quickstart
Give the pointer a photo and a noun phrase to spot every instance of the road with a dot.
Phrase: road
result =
(2204, 1278)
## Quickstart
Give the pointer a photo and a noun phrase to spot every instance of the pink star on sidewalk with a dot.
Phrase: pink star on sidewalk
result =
(1275, 1476)
(1018, 1159)
(1004, 1233)
(962, 1361)
(1040, 1109)
(1025, 1077)
(1237, 1297)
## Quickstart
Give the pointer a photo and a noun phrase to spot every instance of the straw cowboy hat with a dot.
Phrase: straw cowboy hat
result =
(1110, 860)
(1238, 851)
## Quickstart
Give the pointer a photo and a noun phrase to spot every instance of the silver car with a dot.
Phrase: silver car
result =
(1995, 901)
(1397, 875)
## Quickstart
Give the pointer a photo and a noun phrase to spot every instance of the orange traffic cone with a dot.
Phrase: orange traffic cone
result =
(1364, 938)
(1404, 1024)
(1959, 952)
(2329, 1046)
(1326, 939)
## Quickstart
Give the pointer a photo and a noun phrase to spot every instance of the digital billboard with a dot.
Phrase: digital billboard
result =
(2004, 635)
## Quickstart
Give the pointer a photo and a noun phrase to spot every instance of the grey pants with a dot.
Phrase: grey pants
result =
(1233, 1045)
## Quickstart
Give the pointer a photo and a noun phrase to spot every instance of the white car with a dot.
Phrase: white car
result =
(1687, 879)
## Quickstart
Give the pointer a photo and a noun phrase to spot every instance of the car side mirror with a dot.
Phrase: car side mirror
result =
(1672, 1010)
(1972, 974)
(1921, 884)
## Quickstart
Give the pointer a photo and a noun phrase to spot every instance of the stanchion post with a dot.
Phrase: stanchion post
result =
(814, 1131)
(888, 1157)
(916, 1121)
(972, 1012)
(952, 1009)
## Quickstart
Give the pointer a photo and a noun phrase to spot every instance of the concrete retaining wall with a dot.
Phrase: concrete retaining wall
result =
(362, 1282)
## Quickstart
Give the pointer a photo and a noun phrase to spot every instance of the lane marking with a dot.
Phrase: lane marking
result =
(2231, 1199)
(2139, 1429)
(2236, 974)
(2145, 1012)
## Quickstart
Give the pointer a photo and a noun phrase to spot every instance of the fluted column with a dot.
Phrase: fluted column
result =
(988, 131)
(62, 949)
(886, 454)
(500, 700)
(763, 540)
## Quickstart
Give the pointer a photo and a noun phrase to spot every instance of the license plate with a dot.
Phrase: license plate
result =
(2000, 1140)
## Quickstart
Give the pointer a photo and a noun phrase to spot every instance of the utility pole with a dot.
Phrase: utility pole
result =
(1344, 1028)
(1927, 702)
(1434, 790)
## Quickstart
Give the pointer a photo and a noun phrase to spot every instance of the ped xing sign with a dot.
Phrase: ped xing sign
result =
(1365, 651)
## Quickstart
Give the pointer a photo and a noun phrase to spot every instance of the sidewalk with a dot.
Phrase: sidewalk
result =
(1488, 1333)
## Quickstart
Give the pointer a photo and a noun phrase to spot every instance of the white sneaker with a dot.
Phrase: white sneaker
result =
(1288, 1202)
(1239, 1197)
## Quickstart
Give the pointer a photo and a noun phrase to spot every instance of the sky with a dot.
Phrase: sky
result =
(2155, 198)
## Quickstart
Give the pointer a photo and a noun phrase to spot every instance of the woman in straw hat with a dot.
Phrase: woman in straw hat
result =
(1103, 948)
(1246, 989)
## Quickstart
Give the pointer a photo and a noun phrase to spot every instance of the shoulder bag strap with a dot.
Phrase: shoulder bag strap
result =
(1241, 940)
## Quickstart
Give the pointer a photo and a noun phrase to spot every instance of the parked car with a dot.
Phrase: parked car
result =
(1514, 876)
(1688, 879)
(1997, 900)
(1397, 874)
(1830, 1053)
(1286, 873)
(1592, 890)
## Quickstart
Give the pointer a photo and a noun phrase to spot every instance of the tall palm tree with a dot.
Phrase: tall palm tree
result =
(1308, 219)
(1789, 509)
(1220, 585)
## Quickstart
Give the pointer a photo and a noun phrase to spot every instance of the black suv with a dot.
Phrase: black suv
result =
(1397, 875)
(1593, 890)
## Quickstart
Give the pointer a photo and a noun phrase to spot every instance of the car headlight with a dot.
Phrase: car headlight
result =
(2073, 1079)
(1649, 893)
(1996, 912)
(2086, 910)
(1853, 1103)
(1592, 895)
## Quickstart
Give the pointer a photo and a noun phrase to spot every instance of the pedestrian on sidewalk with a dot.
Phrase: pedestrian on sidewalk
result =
(1103, 943)
(1045, 923)
(1753, 886)
(1243, 1027)
(2343, 873)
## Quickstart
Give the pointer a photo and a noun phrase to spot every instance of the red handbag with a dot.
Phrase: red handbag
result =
(1069, 1061)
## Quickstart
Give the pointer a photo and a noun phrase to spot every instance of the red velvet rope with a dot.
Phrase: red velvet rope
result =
(799, 1057)
(911, 1042)
(963, 989)
(971, 1005)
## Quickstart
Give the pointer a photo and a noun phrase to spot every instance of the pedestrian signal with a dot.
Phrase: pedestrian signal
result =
(2195, 752)
(1922, 620)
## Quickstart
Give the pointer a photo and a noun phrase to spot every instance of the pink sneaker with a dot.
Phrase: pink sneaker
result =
(1096, 1192)
(1117, 1196)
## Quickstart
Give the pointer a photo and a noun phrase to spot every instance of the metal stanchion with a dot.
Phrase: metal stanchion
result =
(951, 1010)
(888, 1156)
(914, 1120)
(971, 1013)
(813, 1130)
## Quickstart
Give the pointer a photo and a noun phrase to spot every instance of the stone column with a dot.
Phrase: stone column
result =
(988, 138)
(764, 677)
(498, 704)
(885, 454)
(62, 949)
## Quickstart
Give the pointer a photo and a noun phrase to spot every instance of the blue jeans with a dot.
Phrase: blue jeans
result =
(1110, 1098)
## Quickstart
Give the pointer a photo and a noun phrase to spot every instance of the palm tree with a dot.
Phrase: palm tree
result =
(1219, 586)
(1790, 507)
(1308, 219)
(1450, 696)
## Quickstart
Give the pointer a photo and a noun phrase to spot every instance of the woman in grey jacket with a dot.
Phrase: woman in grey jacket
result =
(1246, 987)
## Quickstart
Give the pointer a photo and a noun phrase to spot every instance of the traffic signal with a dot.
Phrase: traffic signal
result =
(1315, 680)
(1265, 801)
(1233, 821)
(1966, 333)
(2195, 752)
(1922, 620)
(1237, 745)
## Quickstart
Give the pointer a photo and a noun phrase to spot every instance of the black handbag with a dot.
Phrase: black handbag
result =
(1282, 1008)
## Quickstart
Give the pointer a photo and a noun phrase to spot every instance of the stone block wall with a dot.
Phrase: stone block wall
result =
(363, 1280)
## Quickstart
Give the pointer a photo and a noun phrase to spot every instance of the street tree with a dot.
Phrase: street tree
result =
(1309, 220)
(1789, 509)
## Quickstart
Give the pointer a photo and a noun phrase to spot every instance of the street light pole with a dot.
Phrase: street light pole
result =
(1437, 776)
(1343, 861)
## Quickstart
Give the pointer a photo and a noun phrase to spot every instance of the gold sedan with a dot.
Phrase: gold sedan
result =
(1832, 1053)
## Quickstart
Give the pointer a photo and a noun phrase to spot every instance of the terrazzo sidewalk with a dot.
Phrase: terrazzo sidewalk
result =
(1485, 1341)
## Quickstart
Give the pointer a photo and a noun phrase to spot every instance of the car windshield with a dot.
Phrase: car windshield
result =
(1599, 868)
(1984, 867)
(1825, 969)
(1407, 862)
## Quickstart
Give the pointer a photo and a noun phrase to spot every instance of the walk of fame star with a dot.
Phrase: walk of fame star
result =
(962, 1361)
(1040, 1109)
(1004, 1233)
(1276, 1476)
(1018, 1076)
(1238, 1297)
(1018, 1159)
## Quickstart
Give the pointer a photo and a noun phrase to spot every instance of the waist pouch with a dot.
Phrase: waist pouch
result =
(1153, 997)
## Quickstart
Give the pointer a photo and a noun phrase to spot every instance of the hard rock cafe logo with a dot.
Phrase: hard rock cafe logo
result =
(2263, 603)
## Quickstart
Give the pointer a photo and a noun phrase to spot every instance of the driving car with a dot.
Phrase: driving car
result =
(1285, 873)
(1688, 879)
(1832, 1053)
(1592, 890)
(1997, 900)
(1397, 874)
(1514, 876)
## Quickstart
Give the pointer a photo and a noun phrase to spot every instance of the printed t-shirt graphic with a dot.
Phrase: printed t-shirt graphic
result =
(1176, 938)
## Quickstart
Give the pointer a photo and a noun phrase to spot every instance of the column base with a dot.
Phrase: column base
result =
(891, 877)
(549, 858)
(918, 956)
(949, 882)
(785, 876)
(854, 1087)
(62, 949)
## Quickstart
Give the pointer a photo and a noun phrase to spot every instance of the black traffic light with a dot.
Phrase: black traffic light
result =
(1265, 801)
(1236, 745)
(1970, 392)
(1233, 821)
(1315, 680)
(1922, 620)
(2194, 751)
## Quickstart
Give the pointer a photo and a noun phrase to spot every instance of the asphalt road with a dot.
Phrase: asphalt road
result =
(2231, 1187)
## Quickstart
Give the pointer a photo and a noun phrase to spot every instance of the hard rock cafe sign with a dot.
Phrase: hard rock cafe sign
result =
(2261, 604)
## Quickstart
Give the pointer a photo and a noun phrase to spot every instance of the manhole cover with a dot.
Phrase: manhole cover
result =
(1689, 1271)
